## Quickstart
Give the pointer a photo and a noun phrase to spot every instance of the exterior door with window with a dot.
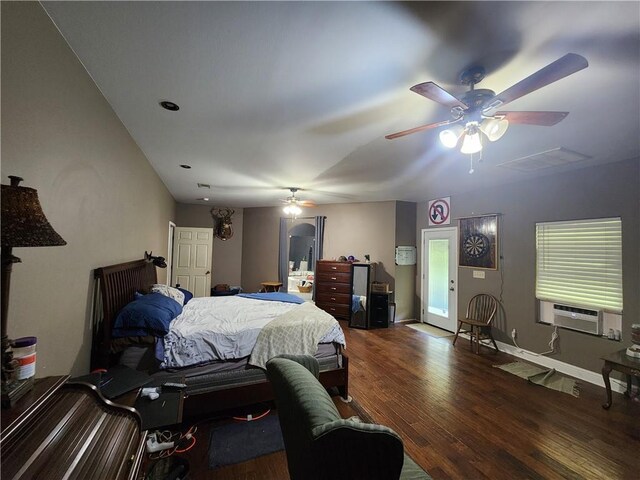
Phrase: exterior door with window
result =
(440, 278)
(192, 260)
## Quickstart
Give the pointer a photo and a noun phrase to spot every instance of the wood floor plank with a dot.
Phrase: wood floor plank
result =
(461, 418)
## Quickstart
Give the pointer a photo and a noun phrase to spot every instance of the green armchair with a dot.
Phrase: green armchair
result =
(319, 443)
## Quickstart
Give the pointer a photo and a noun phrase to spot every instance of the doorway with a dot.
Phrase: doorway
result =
(440, 278)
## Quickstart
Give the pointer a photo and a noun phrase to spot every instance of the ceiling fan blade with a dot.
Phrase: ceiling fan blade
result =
(419, 129)
(307, 203)
(438, 94)
(563, 67)
(545, 119)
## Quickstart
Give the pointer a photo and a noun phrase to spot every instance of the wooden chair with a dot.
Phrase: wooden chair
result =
(481, 310)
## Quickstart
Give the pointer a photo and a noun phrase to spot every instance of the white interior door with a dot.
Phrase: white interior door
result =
(192, 260)
(440, 278)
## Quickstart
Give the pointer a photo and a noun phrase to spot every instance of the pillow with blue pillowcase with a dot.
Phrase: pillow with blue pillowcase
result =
(149, 314)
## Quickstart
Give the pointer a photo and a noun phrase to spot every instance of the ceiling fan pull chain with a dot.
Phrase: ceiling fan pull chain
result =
(470, 164)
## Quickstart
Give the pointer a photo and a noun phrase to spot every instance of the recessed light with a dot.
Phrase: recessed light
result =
(186, 166)
(173, 107)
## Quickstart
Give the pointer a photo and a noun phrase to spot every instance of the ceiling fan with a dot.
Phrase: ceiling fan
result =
(293, 205)
(475, 112)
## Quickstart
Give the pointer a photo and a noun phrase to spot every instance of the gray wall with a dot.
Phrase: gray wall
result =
(351, 229)
(95, 186)
(226, 260)
(606, 191)
(405, 287)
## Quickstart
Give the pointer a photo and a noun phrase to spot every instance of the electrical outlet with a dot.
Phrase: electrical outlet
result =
(478, 274)
(514, 333)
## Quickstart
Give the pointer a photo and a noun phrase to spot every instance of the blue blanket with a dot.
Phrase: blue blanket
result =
(273, 296)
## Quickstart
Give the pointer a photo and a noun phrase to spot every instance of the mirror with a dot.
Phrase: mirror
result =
(360, 293)
(301, 259)
(300, 245)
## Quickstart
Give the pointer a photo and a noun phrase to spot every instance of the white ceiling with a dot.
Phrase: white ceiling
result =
(278, 94)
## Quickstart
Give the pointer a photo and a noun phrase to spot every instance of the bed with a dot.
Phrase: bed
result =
(214, 386)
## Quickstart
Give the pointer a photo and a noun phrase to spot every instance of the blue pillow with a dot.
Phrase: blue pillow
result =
(148, 315)
(187, 295)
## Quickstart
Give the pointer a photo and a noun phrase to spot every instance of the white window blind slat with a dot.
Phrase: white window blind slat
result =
(579, 262)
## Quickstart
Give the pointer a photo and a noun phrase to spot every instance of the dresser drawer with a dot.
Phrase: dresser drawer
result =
(338, 311)
(326, 277)
(343, 267)
(338, 298)
(333, 288)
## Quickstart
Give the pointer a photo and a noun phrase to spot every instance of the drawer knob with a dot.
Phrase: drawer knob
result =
(333, 288)
(334, 268)
(333, 298)
(333, 278)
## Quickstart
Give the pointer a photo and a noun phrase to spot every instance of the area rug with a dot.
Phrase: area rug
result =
(429, 330)
(546, 377)
(241, 441)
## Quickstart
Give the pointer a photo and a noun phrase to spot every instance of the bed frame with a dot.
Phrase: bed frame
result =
(115, 287)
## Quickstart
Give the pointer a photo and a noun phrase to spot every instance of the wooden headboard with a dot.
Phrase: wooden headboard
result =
(117, 284)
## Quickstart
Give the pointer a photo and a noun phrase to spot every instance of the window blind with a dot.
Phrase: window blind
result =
(579, 263)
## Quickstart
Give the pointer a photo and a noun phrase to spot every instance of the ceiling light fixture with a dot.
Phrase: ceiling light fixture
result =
(493, 128)
(292, 206)
(172, 107)
(293, 210)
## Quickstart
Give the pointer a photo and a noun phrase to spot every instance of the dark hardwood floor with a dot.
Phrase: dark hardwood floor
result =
(460, 418)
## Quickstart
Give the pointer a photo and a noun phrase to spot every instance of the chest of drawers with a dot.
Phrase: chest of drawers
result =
(333, 288)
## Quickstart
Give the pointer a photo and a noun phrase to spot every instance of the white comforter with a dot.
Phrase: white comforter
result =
(223, 328)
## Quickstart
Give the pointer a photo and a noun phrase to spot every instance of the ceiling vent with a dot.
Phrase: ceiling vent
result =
(204, 185)
(555, 157)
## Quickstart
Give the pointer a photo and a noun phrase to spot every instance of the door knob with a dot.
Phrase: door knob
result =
(207, 272)
(451, 289)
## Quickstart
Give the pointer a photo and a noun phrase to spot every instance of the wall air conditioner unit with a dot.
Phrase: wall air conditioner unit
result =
(576, 318)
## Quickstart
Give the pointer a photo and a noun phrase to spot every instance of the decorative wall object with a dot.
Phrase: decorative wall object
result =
(222, 218)
(479, 242)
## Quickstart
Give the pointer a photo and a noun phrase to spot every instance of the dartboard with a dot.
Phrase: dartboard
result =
(476, 245)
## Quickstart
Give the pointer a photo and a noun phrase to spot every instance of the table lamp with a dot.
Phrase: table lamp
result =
(23, 225)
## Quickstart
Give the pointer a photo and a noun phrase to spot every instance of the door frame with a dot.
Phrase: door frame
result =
(172, 228)
(424, 294)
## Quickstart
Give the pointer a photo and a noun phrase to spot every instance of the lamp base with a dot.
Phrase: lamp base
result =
(14, 391)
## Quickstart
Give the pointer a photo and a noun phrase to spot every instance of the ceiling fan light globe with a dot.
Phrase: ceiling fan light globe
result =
(471, 143)
(287, 210)
(448, 138)
(296, 210)
(494, 128)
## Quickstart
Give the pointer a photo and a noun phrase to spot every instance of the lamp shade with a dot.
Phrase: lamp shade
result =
(292, 209)
(494, 128)
(471, 143)
(450, 136)
(23, 221)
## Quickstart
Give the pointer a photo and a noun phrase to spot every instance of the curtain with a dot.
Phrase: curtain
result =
(283, 256)
(319, 242)
(319, 239)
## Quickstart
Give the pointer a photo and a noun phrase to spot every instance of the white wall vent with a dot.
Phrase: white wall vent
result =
(576, 318)
(555, 157)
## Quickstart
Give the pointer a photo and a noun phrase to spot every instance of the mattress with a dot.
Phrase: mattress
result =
(220, 375)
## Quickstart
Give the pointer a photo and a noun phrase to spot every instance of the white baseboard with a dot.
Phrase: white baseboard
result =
(562, 367)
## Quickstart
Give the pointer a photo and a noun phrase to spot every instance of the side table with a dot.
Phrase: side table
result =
(623, 363)
(271, 286)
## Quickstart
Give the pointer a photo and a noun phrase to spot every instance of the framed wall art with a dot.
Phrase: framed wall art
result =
(479, 242)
